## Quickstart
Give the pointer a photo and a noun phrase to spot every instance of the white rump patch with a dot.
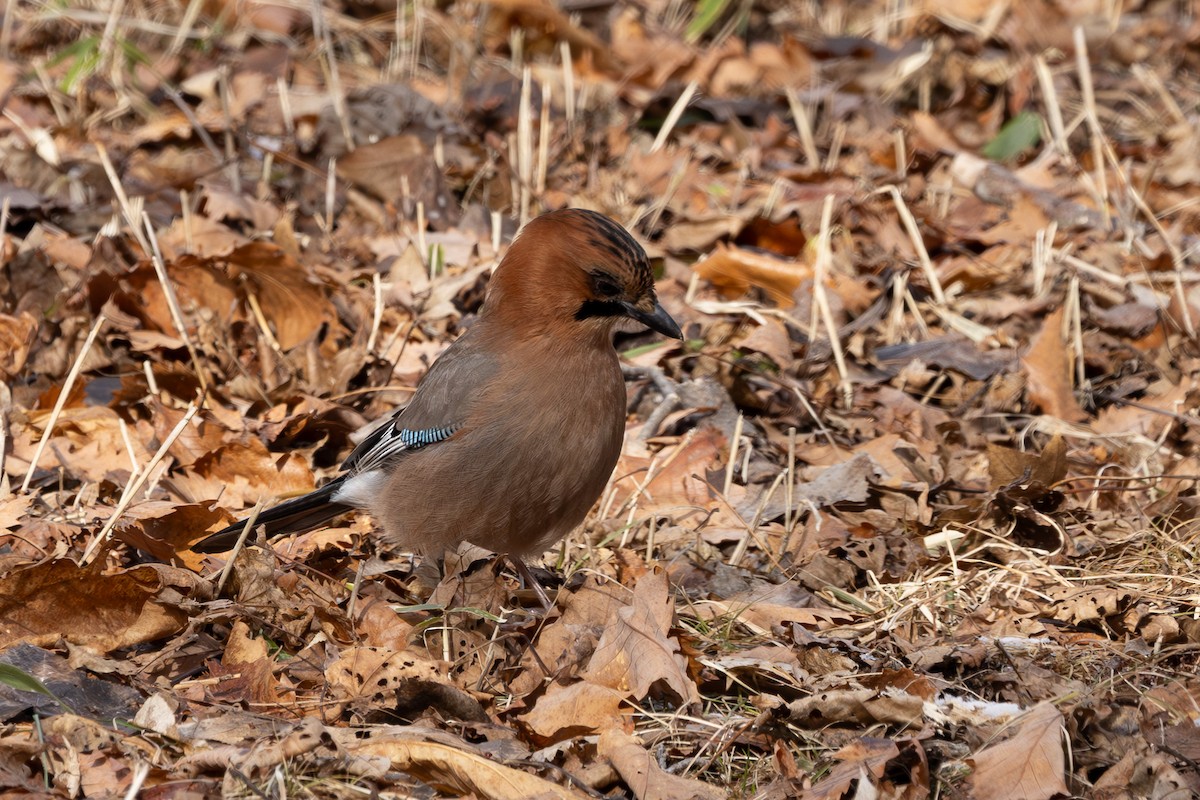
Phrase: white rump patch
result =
(361, 490)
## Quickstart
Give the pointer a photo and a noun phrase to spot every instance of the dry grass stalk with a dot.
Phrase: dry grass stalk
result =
(151, 383)
(160, 270)
(377, 317)
(1095, 132)
(247, 527)
(422, 243)
(108, 40)
(1096, 272)
(684, 162)
(1177, 260)
(673, 116)
(544, 135)
(1043, 248)
(568, 71)
(901, 148)
(821, 301)
(918, 243)
(1054, 116)
(773, 198)
(6, 27)
(285, 107)
(137, 482)
(739, 552)
(835, 147)
(731, 462)
(149, 246)
(524, 154)
(190, 14)
(1151, 80)
(804, 128)
(61, 401)
(329, 65)
(185, 212)
(1073, 321)
(895, 317)
(233, 168)
(261, 320)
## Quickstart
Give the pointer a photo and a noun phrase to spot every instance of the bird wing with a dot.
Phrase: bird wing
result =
(437, 411)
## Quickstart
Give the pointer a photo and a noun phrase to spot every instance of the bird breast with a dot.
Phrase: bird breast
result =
(531, 460)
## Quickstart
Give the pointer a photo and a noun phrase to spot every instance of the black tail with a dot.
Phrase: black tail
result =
(292, 516)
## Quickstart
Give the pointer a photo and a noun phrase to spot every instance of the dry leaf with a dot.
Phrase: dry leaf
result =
(636, 651)
(733, 270)
(1030, 765)
(642, 774)
(58, 599)
(1048, 367)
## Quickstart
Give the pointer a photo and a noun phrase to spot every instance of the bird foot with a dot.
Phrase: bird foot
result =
(529, 581)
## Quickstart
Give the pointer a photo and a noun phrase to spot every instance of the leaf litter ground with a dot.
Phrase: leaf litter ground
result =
(910, 512)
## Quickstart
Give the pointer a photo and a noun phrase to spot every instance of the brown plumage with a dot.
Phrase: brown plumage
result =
(513, 433)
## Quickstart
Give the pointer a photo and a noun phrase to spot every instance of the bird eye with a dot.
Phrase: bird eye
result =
(605, 286)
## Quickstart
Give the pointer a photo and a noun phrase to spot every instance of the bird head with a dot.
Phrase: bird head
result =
(578, 269)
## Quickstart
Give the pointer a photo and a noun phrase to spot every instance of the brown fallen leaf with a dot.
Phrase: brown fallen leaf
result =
(294, 305)
(239, 474)
(398, 168)
(644, 777)
(858, 761)
(581, 709)
(733, 270)
(1048, 367)
(246, 673)
(1028, 766)
(451, 769)
(849, 481)
(1006, 465)
(58, 599)
(1091, 603)
(636, 652)
(375, 673)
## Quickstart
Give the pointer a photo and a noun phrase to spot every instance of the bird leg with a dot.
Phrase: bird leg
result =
(528, 579)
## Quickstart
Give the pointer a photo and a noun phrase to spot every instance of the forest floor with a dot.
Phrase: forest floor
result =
(910, 512)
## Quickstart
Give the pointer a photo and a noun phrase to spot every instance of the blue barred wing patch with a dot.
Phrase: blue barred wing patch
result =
(389, 441)
(416, 439)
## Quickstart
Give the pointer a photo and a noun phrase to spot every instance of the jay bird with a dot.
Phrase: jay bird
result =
(515, 429)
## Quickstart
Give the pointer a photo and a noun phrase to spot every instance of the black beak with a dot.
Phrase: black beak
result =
(657, 319)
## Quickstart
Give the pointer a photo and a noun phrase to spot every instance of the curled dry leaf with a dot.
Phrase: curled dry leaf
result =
(642, 774)
(733, 270)
(864, 706)
(451, 769)
(16, 334)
